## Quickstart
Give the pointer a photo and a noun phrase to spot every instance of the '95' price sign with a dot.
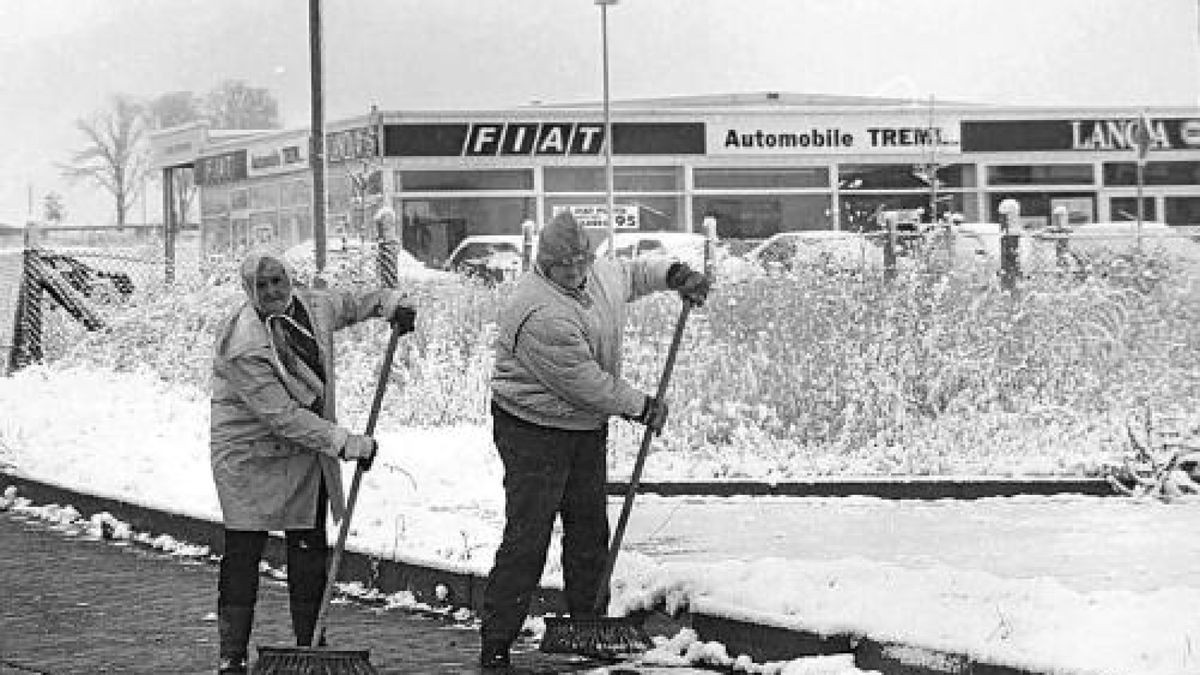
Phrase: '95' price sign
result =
(624, 217)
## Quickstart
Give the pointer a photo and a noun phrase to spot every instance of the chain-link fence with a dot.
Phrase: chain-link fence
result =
(79, 279)
(58, 283)
(51, 277)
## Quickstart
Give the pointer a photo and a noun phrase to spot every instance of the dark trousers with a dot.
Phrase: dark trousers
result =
(307, 555)
(547, 473)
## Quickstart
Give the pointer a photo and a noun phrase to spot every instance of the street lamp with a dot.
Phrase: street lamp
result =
(608, 138)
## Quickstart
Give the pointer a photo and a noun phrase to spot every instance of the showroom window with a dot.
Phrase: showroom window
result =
(760, 216)
(761, 179)
(625, 179)
(430, 181)
(1182, 210)
(431, 228)
(1155, 173)
(1125, 208)
(1043, 174)
(1037, 206)
(862, 212)
(903, 176)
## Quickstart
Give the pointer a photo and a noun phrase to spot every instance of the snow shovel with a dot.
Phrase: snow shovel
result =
(319, 659)
(600, 636)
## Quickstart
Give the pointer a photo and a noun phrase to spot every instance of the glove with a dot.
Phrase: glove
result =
(654, 414)
(692, 285)
(404, 318)
(359, 447)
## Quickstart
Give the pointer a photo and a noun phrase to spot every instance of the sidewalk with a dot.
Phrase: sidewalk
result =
(78, 606)
(45, 629)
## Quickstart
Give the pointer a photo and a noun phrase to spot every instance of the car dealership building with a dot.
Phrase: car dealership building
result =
(757, 163)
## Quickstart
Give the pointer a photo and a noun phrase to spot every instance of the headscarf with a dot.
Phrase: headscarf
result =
(303, 381)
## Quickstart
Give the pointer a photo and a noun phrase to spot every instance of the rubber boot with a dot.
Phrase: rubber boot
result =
(233, 628)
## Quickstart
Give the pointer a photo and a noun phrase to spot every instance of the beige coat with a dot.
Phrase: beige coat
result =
(269, 452)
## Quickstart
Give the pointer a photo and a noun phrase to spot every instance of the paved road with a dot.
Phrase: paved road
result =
(71, 605)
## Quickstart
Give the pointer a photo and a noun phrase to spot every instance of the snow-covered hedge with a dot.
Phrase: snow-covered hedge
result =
(805, 374)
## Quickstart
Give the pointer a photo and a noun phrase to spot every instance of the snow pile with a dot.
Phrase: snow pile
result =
(101, 525)
(686, 649)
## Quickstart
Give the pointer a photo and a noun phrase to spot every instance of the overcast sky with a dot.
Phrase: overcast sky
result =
(62, 59)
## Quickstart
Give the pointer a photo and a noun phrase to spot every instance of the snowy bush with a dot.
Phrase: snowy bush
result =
(808, 373)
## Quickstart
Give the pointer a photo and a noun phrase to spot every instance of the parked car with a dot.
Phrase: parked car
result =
(1121, 235)
(829, 249)
(1079, 245)
(491, 257)
(685, 246)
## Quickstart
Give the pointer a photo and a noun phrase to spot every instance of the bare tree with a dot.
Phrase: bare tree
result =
(173, 109)
(115, 157)
(236, 105)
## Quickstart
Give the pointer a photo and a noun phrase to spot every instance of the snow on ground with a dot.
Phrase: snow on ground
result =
(434, 497)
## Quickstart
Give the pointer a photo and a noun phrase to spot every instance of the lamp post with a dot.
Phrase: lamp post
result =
(608, 138)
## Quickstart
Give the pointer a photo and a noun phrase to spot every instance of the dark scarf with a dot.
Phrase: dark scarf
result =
(299, 355)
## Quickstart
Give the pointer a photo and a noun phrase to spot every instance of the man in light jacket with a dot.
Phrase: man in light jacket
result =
(556, 381)
(274, 440)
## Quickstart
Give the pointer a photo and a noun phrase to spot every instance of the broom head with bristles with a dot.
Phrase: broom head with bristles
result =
(313, 661)
(598, 637)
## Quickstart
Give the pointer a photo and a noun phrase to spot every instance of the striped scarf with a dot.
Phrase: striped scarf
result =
(302, 382)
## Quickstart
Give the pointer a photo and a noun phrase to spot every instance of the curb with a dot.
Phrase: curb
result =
(906, 487)
(761, 641)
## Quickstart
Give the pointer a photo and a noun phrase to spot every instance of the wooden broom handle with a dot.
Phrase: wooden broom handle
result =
(601, 602)
(362, 466)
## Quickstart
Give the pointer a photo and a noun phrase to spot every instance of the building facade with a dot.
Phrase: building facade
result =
(758, 164)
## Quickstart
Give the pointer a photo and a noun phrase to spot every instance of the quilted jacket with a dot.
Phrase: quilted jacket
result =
(558, 352)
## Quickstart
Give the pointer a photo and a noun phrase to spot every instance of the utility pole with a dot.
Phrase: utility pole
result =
(317, 140)
(608, 137)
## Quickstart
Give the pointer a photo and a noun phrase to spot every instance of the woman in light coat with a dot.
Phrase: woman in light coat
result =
(274, 440)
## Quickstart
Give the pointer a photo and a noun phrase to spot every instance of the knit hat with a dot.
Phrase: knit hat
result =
(562, 239)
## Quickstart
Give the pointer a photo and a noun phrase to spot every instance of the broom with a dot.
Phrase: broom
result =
(320, 660)
(600, 636)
